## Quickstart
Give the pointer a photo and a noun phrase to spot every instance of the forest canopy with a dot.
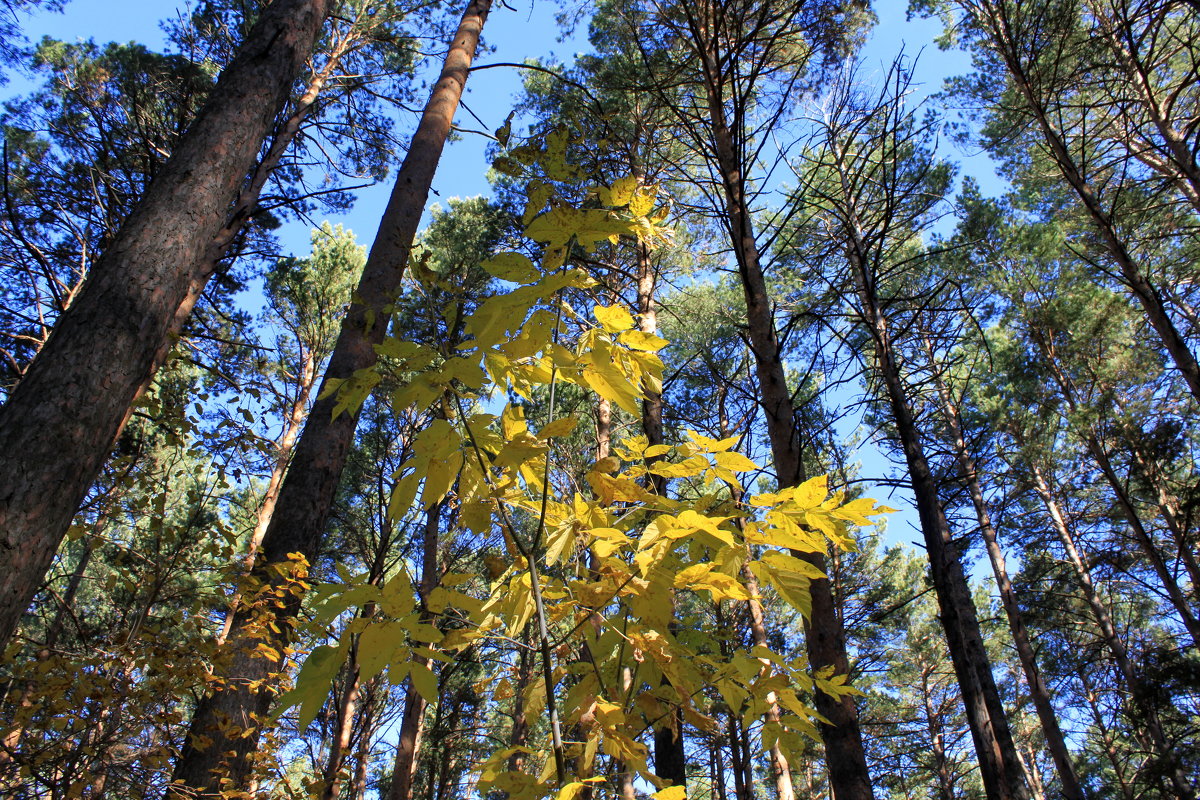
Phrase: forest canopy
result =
(601, 483)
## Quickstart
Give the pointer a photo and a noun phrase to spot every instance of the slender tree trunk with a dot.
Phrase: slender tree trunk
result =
(408, 747)
(999, 26)
(1125, 501)
(1039, 692)
(61, 420)
(824, 637)
(283, 454)
(308, 488)
(1106, 737)
(670, 762)
(740, 790)
(781, 771)
(520, 722)
(1108, 632)
(339, 748)
(935, 727)
(994, 745)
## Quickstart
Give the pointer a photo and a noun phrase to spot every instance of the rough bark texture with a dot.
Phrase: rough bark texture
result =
(307, 493)
(61, 420)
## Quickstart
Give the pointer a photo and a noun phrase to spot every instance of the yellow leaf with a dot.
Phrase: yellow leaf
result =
(655, 450)
(613, 318)
(608, 465)
(643, 202)
(424, 681)
(810, 493)
(512, 267)
(559, 427)
(571, 790)
(857, 511)
(639, 340)
(671, 793)
(708, 445)
(735, 461)
(622, 191)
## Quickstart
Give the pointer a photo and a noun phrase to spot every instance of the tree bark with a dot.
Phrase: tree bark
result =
(308, 489)
(1056, 743)
(824, 636)
(999, 765)
(61, 420)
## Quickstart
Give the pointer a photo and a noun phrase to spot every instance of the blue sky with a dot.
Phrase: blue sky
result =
(528, 29)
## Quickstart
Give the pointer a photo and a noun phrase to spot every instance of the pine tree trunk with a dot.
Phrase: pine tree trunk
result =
(1108, 632)
(283, 454)
(999, 26)
(824, 637)
(998, 763)
(306, 495)
(1125, 501)
(408, 747)
(339, 747)
(1056, 743)
(935, 727)
(61, 420)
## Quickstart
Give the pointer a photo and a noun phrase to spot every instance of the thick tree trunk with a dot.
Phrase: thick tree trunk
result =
(1056, 743)
(308, 488)
(59, 423)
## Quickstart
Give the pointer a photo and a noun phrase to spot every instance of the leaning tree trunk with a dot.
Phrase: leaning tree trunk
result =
(999, 765)
(1108, 632)
(59, 423)
(1039, 691)
(1002, 30)
(308, 489)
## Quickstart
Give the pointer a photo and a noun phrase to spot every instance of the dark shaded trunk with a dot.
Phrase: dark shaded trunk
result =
(670, 762)
(994, 746)
(1039, 692)
(825, 638)
(61, 420)
(308, 489)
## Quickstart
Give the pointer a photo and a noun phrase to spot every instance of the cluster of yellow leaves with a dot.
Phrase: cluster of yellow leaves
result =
(614, 554)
